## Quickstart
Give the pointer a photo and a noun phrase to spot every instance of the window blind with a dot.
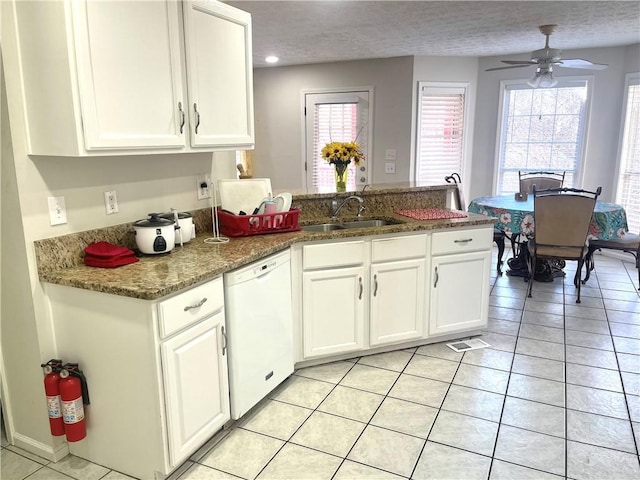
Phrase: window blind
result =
(628, 194)
(333, 122)
(440, 147)
(542, 130)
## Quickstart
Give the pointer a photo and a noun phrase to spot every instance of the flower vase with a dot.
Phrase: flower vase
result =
(341, 178)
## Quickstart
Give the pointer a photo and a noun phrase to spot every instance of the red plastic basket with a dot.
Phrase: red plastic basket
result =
(245, 225)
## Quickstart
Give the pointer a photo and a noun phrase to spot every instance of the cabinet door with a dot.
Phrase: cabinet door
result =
(333, 311)
(459, 292)
(196, 386)
(397, 301)
(129, 74)
(219, 74)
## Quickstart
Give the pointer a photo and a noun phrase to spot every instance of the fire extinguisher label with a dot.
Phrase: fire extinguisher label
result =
(73, 411)
(53, 405)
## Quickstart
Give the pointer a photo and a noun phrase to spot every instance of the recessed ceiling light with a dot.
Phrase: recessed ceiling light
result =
(271, 59)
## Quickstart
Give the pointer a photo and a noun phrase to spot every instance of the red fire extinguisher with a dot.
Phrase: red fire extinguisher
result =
(52, 377)
(74, 395)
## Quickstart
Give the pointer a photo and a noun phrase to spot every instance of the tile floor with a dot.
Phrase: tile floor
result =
(557, 395)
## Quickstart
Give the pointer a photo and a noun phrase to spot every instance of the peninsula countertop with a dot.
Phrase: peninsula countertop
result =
(156, 276)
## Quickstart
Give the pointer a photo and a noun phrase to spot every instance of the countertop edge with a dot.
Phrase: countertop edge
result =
(154, 277)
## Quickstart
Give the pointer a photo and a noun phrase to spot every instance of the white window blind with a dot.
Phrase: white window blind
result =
(441, 121)
(333, 122)
(542, 130)
(628, 192)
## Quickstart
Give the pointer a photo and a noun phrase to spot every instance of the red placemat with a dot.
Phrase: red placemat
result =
(430, 214)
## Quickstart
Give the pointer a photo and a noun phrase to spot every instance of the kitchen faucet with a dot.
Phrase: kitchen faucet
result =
(335, 208)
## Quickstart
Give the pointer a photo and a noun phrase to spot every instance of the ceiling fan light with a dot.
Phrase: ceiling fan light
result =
(543, 79)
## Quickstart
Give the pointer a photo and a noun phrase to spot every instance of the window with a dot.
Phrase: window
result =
(542, 129)
(335, 117)
(440, 149)
(628, 190)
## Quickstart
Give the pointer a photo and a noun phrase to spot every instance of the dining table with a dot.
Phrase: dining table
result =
(515, 219)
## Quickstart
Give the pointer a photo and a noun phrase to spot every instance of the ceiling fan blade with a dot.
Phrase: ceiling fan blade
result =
(519, 62)
(505, 68)
(581, 63)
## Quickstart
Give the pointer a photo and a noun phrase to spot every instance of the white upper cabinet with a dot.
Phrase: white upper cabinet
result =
(112, 77)
(219, 74)
(129, 75)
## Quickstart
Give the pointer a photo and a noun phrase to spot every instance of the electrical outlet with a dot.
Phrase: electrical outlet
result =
(57, 210)
(111, 202)
(203, 186)
(390, 167)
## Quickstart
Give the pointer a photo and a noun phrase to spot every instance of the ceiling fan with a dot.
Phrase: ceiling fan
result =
(545, 59)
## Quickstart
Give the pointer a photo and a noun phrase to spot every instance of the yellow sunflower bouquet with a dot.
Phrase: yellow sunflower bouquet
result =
(341, 154)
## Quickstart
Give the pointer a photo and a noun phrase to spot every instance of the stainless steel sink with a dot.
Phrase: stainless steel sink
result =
(323, 227)
(327, 227)
(367, 223)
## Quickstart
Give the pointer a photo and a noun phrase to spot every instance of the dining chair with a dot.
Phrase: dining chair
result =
(561, 219)
(459, 204)
(542, 180)
(630, 243)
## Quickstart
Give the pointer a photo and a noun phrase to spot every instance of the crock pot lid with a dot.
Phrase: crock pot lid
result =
(181, 215)
(154, 220)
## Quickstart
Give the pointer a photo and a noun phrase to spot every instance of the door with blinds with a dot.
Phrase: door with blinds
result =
(336, 117)
(441, 138)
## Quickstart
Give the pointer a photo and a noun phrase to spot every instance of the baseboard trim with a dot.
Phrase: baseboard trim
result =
(40, 449)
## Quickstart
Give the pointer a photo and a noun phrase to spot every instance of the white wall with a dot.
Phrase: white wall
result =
(602, 129)
(144, 184)
(278, 115)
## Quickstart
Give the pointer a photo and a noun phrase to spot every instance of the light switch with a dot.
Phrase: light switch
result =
(57, 210)
(390, 155)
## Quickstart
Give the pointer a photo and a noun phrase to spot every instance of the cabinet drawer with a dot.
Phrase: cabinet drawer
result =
(461, 241)
(190, 306)
(398, 248)
(329, 255)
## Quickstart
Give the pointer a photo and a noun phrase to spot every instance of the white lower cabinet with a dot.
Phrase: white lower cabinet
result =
(156, 372)
(397, 301)
(333, 302)
(196, 390)
(350, 303)
(460, 271)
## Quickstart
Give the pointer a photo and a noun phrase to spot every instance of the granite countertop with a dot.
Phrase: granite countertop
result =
(156, 276)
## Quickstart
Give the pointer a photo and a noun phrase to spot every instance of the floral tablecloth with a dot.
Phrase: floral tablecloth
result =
(608, 221)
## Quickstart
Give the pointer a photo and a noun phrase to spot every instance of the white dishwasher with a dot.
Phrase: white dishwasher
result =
(259, 329)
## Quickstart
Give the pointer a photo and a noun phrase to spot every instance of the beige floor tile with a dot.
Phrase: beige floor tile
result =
(395, 361)
(328, 433)
(330, 372)
(351, 403)
(592, 462)
(79, 468)
(294, 462)
(534, 416)
(432, 367)
(301, 391)
(351, 471)
(420, 390)
(256, 450)
(531, 449)
(391, 451)
(474, 402)
(370, 379)
(13, 465)
(483, 378)
(405, 417)
(441, 462)
(509, 471)
(461, 431)
(276, 419)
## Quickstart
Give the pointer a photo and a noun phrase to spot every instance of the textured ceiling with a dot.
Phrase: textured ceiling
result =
(302, 32)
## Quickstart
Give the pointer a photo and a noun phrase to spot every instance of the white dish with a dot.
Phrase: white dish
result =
(283, 202)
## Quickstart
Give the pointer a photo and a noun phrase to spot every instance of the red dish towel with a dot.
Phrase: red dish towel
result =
(106, 255)
(430, 214)
(106, 250)
(92, 261)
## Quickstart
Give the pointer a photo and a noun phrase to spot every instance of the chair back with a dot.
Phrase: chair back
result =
(562, 217)
(458, 198)
(542, 180)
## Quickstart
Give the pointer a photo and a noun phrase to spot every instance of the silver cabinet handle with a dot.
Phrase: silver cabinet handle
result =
(182, 116)
(375, 285)
(195, 109)
(361, 288)
(224, 341)
(197, 305)
(437, 277)
(463, 241)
